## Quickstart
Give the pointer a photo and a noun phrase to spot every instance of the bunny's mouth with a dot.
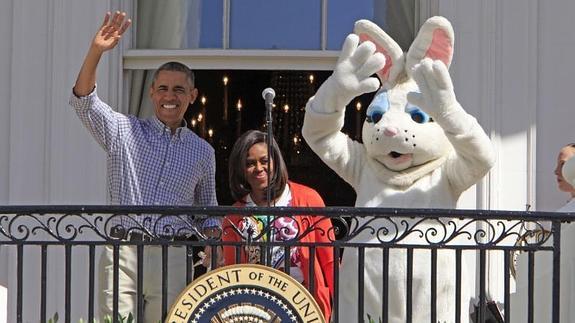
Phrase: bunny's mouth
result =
(399, 158)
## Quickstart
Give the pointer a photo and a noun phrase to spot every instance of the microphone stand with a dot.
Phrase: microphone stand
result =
(268, 95)
(270, 133)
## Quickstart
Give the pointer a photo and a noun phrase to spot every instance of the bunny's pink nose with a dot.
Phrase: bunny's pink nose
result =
(390, 131)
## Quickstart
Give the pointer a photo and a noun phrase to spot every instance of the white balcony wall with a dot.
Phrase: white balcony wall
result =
(512, 72)
(46, 156)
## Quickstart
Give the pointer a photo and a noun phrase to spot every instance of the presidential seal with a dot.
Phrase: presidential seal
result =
(245, 293)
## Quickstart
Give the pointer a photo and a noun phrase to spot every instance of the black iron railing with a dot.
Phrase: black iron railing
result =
(86, 229)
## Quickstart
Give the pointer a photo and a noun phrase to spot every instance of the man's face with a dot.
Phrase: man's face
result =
(171, 94)
(564, 155)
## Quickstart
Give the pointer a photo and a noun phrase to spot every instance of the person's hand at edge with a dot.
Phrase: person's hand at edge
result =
(105, 39)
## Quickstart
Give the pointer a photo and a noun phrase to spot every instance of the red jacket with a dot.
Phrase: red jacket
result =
(302, 196)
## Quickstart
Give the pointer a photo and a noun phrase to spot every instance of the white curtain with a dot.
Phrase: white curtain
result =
(160, 25)
(193, 24)
(398, 19)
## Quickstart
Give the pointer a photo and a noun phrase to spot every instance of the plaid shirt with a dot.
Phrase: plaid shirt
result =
(147, 165)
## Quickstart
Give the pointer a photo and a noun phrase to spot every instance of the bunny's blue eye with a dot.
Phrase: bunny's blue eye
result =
(377, 108)
(417, 114)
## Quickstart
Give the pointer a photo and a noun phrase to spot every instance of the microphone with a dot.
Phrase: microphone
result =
(269, 94)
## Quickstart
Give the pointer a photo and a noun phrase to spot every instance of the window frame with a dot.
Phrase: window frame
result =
(233, 59)
(238, 59)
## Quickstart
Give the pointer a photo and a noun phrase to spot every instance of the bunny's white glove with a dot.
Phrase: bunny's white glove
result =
(437, 97)
(351, 76)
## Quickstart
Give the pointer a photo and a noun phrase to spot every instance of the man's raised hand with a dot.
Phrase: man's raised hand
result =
(111, 31)
(106, 38)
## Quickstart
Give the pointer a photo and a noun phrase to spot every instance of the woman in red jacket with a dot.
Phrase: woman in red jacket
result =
(248, 183)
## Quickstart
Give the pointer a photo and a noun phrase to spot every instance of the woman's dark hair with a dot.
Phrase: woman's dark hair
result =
(239, 186)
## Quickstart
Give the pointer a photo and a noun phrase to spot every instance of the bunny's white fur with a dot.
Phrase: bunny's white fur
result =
(401, 163)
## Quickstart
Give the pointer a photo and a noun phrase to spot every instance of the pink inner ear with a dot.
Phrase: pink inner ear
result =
(440, 47)
(383, 74)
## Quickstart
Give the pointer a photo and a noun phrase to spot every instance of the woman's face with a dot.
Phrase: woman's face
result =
(256, 166)
(564, 155)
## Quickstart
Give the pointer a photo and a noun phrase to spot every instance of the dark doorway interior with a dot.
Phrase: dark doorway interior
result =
(233, 104)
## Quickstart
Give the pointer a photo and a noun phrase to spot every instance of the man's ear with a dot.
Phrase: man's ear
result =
(194, 95)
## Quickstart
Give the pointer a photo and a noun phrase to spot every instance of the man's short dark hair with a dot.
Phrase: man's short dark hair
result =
(176, 67)
(239, 186)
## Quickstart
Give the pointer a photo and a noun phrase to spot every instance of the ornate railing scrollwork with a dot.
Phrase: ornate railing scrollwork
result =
(376, 226)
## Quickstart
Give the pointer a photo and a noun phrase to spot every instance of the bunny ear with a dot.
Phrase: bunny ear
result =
(434, 40)
(394, 57)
